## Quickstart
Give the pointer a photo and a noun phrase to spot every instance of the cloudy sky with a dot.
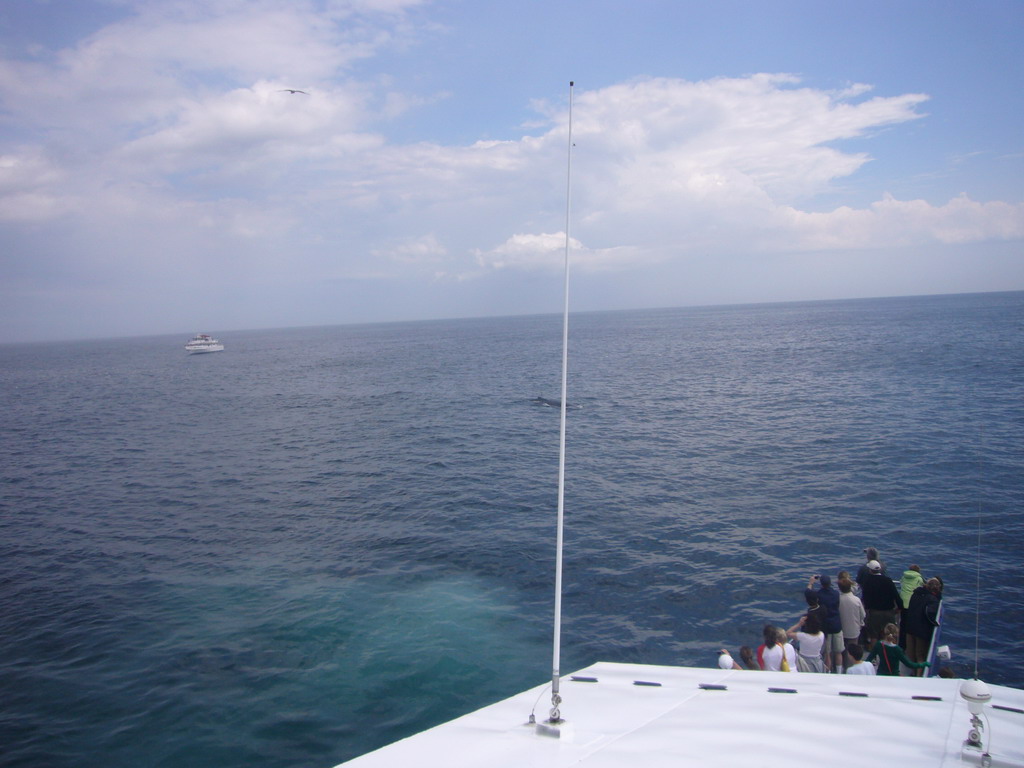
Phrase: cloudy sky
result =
(155, 176)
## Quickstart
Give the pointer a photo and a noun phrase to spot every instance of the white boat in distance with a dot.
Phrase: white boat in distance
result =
(203, 342)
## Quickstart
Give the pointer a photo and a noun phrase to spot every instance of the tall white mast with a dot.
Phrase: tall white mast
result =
(556, 699)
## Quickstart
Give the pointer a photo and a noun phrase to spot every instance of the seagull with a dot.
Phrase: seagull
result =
(292, 90)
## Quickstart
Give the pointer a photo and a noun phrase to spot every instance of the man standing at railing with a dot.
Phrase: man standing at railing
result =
(865, 570)
(881, 601)
(851, 616)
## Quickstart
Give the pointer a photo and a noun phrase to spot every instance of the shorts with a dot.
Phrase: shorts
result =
(834, 643)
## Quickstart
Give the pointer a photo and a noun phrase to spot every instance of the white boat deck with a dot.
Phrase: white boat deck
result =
(615, 722)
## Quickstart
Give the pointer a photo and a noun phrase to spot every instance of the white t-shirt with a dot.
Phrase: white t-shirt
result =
(790, 656)
(861, 669)
(772, 657)
(810, 645)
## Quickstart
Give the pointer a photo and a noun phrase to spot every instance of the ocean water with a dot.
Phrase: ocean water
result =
(325, 539)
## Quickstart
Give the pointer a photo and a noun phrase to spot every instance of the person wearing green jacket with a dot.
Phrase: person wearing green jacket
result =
(911, 580)
(890, 655)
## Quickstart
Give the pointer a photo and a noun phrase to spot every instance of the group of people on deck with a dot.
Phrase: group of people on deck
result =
(866, 612)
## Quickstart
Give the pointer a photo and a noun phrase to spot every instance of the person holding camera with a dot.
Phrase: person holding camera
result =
(831, 621)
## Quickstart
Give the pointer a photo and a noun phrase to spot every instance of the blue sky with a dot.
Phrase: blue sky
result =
(155, 178)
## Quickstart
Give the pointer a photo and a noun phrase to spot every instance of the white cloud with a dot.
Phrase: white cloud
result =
(426, 249)
(245, 126)
(26, 176)
(673, 167)
(897, 223)
(662, 167)
(759, 138)
(140, 71)
(546, 251)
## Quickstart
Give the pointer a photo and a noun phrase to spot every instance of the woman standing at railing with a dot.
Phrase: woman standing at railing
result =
(922, 618)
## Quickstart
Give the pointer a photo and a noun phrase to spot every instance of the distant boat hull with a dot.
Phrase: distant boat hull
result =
(202, 343)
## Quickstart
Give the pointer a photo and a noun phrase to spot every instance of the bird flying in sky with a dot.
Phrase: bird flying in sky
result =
(292, 90)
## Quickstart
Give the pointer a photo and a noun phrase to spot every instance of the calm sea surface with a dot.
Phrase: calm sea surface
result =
(322, 540)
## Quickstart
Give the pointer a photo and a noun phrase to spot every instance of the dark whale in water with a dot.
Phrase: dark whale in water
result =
(552, 403)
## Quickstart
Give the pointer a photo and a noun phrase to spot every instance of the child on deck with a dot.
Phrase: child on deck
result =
(858, 666)
(890, 655)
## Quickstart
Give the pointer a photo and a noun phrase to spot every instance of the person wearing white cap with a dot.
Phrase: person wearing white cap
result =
(870, 553)
(725, 661)
(881, 601)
